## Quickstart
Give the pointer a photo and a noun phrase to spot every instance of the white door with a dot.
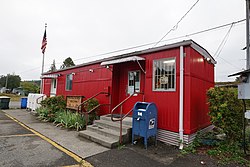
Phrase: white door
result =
(53, 87)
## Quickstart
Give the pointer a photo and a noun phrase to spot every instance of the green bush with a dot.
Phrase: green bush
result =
(45, 114)
(52, 105)
(89, 106)
(55, 103)
(226, 111)
(69, 119)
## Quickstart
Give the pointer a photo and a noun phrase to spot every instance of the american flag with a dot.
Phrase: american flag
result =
(44, 42)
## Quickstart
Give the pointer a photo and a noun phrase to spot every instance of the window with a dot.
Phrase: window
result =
(69, 79)
(133, 82)
(164, 75)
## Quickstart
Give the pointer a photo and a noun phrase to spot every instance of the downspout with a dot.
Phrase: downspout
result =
(181, 139)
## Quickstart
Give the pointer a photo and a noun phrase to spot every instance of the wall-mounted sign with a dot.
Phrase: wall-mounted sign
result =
(164, 80)
(72, 102)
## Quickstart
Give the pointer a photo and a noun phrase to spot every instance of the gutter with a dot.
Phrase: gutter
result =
(181, 138)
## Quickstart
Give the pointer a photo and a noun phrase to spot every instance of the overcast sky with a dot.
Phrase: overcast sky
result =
(84, 29)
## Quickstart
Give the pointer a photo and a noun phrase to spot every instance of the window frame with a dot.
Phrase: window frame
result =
(68, 80)
(153, 76)
(139, 76)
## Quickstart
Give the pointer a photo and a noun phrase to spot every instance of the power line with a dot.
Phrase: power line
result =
(223, 42)
(183, 36)
(139, 46)
(230, 63)
(176, 25)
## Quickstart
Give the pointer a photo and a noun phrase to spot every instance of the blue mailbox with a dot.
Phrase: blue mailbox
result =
(144, 121)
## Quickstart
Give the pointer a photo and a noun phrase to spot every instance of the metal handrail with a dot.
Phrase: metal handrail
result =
(120, 104)
(86, 113)
(39, 98)
(124, 116)
(80, 105)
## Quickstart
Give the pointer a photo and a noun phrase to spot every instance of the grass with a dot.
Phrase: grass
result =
(13, 97)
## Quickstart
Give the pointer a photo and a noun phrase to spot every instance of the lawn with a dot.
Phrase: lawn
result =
(13, 97)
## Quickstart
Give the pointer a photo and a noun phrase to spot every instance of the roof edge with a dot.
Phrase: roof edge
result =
(190, 42)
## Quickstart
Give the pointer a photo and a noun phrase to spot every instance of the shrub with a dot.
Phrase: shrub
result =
(45, 114)
(55, 104)
(226, 111)
(89, 106)
(69, 119)
(52, 105)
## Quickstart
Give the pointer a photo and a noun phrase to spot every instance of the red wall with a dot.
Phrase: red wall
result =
(167, 102)
(198, 78)
(85, 83)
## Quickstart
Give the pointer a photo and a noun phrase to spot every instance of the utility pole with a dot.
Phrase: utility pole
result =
(6, 81)
(247, 34)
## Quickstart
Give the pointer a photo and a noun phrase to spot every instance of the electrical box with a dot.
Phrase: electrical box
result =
(144, 121)
(244, 91)
(244, 86)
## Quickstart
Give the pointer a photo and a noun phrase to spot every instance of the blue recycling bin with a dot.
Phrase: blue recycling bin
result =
(24, 102)
(144, 122)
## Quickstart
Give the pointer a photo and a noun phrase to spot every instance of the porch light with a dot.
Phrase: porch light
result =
(91, 70)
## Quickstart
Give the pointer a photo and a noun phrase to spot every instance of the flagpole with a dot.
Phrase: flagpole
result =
(41, 89)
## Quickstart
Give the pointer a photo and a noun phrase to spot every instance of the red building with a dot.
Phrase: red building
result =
(175, 77)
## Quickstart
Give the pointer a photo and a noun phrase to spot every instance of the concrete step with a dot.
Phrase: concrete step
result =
(106, 141)
(125, 121)
(112, 125)
(109, 132)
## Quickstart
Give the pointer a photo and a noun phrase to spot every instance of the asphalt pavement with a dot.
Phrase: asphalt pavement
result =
(20, 147)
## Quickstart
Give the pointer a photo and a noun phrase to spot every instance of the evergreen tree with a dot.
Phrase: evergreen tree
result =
(67, 63)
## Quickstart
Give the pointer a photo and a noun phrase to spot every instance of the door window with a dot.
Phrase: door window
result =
(133, 82)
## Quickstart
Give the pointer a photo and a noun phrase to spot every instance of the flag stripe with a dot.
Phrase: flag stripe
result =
(44, 42)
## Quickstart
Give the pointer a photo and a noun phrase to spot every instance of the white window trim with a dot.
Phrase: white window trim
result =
(139, 79)
(153, 76)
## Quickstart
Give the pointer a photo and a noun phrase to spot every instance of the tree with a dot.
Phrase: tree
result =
(11, 81)
(30, 86)
(53, 66)
(67, 63)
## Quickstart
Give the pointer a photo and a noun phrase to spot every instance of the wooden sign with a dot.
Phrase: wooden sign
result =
(73, 101)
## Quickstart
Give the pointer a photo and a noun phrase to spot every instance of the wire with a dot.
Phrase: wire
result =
(139, 46)
(223, 42)
(188, 35)
(230, 63)
(176, 25)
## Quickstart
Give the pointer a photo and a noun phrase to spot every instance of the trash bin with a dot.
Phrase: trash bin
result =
(24, 102)
(144, 122)
(4, 102)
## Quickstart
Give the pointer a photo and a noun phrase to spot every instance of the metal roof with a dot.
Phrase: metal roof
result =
(239, 73)
(191, 43)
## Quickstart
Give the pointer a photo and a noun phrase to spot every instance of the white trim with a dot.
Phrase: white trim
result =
(204, 53)
(153, 76)
(181, 97)
(122, 60)
(50, 76)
